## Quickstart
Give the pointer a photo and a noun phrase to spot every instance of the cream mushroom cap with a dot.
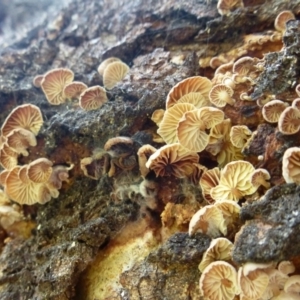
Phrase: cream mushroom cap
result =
(208, 220)
(114, 73)
(92, 98)
(220, 95)
(291, 165)
(272, 110)
(219, 281)
(289, 121)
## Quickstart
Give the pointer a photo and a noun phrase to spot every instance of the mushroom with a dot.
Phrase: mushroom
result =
(239, 134)
(208, 220)
(286, 267)
(20, 139)
(74, 89)
(157, 116)
(281, 20)
(195, 98)
(186, 86)
(172, 160)
(143, 155)
(40, 170)
(219, 249)
(272, 110)
(276, 284)
(8, 157)
(209, 179)
(168, 125)
(219, 281)
(26, 116)
(37, 80)
(119, 146)
(292, 285)
(235, 182)
(224, 7)
(289, 121)
(260, 177)
(291, 165)
(296, 103)
(252, 280)
(92, 98)
(114, 73)
(105, 63)
(191, 129)
(53, 84)
(220, 95)
(230, 211)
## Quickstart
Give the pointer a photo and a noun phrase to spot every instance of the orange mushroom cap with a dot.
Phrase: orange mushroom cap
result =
(74, 89)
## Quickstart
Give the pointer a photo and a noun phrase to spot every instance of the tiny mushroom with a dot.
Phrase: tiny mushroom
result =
(291, 165)
(235, 182)
(26, 116)
(37, 80)
(209, 179)
(219, 281)
(272, 110)
(105, 63)
(53, 84)
(8, 157)
(289, 121)
(169, 123)
(74, 89)
(186, 86)
(172, 160)
(192, 127)
(157, 116)
(224, 7)
(208, 220)
(92, 98)
(282, 18)
(292, 285)
(114, 73)
(220, 95)
(143, 155)
(286, 267)
(260, 177)
(239, 134)
(219, 249)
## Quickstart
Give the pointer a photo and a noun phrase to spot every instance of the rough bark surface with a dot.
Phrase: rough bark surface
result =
(73, 230)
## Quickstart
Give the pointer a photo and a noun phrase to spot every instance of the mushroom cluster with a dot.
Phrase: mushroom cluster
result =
(58, 85)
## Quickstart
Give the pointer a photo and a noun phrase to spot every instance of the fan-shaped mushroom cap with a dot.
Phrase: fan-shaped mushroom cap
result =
(289, 121)
(53, 84)
(8, 157)
(92, 98)
(230, 211)
(226, 6)
(20, 139)
(26, 116)
(235, 182)
(259, 177)
(208, 220)
(192, 84)
(167, 127)
(191, 127)
(105, 63)
(157, 116)
(292, 285)
(286, 267)
(252, 283)
(195, 98)
(119, 145)
(220, 95)
(219, 281)
(272, 110)
(225, 69)
(114, 73)
(239, 135)
(39, 170)
(20, 191)
(37, 80)
(282, 18)
(276, 283)
(74, 89)
(220, 144)
(3, 176)
(291, 165)
(219, 249)
(143, 155)
(208, 180)
(172, 160)
(243, 66)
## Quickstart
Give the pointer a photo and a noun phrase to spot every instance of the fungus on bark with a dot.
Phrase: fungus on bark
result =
(92, 98)
(74, 89)
(105, 63)
(272, 110)
(220, 95)
(291, 165)
(114, 73)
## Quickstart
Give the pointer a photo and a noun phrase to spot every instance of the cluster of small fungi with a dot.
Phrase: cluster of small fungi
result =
(196, 121)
